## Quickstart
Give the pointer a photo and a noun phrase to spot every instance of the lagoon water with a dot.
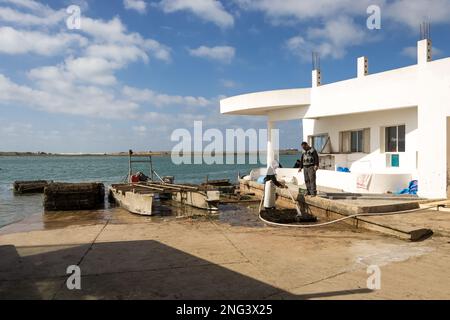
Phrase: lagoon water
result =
(106, 169)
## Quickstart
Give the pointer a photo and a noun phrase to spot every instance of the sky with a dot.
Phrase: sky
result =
(133, 71)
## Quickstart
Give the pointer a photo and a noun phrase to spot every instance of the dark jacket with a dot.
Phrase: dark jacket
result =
(315, 156)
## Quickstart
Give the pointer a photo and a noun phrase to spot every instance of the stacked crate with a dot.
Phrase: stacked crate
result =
(25, 187)
(74, 196)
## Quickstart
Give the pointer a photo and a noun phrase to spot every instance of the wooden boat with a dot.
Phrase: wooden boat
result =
(139, 193)
(139, 198)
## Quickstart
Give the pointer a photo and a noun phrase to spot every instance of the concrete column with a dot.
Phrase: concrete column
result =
(363, 67)
(424, 51)
(270, 190)
(432, 154)
(270, 146)
(316, 78)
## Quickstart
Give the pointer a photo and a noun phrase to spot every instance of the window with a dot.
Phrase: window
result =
(319, 142)
(357, 141)
(395, 139)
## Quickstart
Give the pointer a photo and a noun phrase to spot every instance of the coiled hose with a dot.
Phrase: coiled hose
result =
(338, 220)
(343, 219)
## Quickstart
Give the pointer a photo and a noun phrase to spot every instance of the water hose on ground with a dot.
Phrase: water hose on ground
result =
(342, 219)
(337, 220)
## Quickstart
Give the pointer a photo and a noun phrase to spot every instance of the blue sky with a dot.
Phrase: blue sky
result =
(137, 70)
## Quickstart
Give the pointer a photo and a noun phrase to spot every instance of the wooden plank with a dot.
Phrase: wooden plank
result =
(176, 187)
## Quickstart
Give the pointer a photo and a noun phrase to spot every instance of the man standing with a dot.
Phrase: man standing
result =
(309, 163)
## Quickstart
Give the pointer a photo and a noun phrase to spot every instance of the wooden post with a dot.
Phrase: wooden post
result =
(151, 167)
(130, 153)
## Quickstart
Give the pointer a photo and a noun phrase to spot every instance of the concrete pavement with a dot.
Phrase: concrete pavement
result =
(232, 257)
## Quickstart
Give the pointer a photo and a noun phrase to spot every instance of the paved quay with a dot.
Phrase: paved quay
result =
(233, 256)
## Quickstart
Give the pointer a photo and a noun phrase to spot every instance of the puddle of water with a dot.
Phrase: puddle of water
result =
(233, 215)
(383, 254)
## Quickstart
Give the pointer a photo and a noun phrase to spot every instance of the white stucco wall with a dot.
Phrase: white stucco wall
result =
(448, 157)
(342, 181)
(418, 96)
(259, 103)
(434, 108)
(375, 161)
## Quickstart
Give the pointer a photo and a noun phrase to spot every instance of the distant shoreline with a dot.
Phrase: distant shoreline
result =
(120, 154)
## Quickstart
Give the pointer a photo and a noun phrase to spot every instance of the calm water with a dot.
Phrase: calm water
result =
(94, 169)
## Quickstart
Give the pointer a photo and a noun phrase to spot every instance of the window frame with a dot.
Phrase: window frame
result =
(357, 133)
(348, 134)
(397, 137)
(311, 138)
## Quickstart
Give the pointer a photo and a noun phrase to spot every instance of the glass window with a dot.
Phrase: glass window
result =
(357, 141)
(354, 141)
(318, 142)
(395, 139)
(401, 138)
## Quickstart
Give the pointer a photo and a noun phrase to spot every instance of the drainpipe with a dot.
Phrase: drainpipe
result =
(270, 189)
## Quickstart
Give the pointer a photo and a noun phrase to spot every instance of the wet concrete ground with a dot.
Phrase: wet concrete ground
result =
(227, 256)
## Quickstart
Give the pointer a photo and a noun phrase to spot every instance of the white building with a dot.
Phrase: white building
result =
(390, 128)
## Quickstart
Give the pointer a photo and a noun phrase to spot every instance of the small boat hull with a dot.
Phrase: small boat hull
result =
(140, 199)
(137, 203)
(208, 200)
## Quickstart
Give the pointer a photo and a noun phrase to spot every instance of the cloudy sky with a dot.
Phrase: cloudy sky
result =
(137, 70)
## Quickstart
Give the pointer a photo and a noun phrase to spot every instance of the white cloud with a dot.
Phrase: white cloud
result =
(411, 52)
(335, 30)
(115, 32)
(331, 40)
(161, 100)
(306, 9)
(85, 82)
(140, 130)
(223, 54)
(41, 15)
(121, 55)
(408, 12)
(26, 19)
(331, 30)
(137, 5)
(208, 10)
(413, 12)
(229, 83)
(68, 99)
(14, 41)
(29, 4)
(92, 70)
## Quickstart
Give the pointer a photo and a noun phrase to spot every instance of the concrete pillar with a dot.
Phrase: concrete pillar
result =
(270, 190)
(316, 78)
(270, 143)
(424, 51)
(432, 154)
(363, 67)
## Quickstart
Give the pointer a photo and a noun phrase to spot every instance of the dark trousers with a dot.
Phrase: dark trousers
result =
(310, 180)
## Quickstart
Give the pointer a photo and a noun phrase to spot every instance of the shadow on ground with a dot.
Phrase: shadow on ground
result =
(130, 270)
